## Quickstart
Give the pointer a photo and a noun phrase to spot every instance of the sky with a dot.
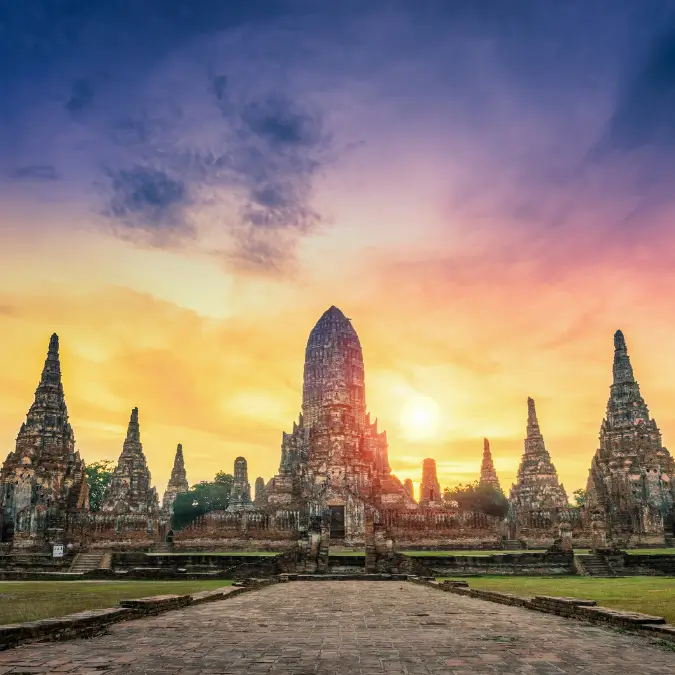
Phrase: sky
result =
(484, 188)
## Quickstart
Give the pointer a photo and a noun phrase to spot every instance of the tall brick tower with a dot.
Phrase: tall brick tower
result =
(335, 457)
(537, 488)
(43, 486)
(631, 484)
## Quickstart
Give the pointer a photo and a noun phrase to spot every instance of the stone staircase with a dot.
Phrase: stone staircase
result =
(86, 562)
(162, 547)
(670, 541)
(593, 565)
(512, 545)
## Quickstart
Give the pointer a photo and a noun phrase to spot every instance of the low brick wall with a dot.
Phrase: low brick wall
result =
(574, 608)
(518, 564)
(95, 621)
(650, 565)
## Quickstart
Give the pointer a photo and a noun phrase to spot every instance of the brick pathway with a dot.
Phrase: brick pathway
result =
(355, 628)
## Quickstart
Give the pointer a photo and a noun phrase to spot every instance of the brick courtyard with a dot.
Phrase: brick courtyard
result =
(348, 627)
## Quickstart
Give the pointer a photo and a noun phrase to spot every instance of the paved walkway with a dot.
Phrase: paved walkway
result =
(355, 628)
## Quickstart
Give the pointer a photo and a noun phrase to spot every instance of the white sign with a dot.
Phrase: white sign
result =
(58, 551)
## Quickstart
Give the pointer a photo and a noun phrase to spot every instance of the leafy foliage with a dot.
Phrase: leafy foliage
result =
(478, 497)
(202, 498)
(99, 475)
(579, 497)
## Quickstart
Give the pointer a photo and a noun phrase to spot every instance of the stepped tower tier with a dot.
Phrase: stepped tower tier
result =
(537, 488)
(43, 486)
(488, 473)
(177, 483)
(630, 495)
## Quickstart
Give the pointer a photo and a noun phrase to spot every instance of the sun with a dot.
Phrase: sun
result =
(420, 417)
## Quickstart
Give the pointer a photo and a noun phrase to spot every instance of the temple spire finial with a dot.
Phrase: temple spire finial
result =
(51, 373)
(532, 421)
(622, 369)
(133, 430)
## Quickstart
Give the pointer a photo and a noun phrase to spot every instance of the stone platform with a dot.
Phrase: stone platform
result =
(354, 628)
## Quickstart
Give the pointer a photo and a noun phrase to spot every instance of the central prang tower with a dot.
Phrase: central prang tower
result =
(335, 457)
(334, 373)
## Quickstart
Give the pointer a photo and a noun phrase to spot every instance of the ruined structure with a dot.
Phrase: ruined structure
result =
(240, 494)
(409, 487)
(260, 499)
(430, 488)
(630, 495)
(537, 498)
(43, 488)
(177, 484)
(488, 474)
(335, 458)
(130, 511)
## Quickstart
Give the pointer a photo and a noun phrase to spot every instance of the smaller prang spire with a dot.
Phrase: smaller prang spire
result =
(622, 369)
(488, 473)
(178, 474)
(177, 483)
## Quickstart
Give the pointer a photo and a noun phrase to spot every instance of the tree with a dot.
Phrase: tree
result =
(579, 497)
(204, 497)
(99, 475)
(479, 497)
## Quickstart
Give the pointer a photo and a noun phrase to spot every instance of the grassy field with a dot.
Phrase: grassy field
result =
(465, 553)
(222, 553)
(651, 595)
(30, 600)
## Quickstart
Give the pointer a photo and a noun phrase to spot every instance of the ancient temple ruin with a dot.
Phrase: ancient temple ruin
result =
(260, 498)
(177, 484)
(430, 488)
(240, 493)
(130, 510)
(43, 487)
(488, 473)
(630, 495)
(335, 458)
(537, 497)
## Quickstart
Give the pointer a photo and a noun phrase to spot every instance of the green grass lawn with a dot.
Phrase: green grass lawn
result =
(222, 553)
(651, 551)
(465, 553)
(31, 600)
(651, 595)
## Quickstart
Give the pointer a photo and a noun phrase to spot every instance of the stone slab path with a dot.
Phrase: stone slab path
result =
(355, 628)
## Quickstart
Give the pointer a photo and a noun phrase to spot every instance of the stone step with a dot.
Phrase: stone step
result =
(512, 545)
(85, 562)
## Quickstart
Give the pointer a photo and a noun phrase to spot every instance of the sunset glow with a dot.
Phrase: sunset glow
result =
(487, 199)
(419, 418)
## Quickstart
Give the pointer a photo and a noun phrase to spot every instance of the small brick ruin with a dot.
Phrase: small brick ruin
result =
(430, 489)
(334, 484)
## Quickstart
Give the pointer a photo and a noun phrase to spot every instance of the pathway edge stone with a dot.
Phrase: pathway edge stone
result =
(573, 608)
